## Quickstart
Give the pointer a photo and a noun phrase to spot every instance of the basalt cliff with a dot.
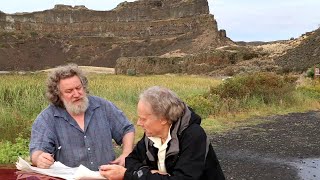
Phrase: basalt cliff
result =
(137, 30)
(144, 37)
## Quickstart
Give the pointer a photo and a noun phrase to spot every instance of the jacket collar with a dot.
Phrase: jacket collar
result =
(176, 129)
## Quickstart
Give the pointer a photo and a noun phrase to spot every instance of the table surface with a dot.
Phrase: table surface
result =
(10, 173)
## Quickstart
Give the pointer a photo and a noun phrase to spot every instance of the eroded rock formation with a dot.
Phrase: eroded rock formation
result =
(99, 38)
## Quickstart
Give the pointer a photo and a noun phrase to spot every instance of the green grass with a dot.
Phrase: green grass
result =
(22, 96)
(124, 90)
(22, 99)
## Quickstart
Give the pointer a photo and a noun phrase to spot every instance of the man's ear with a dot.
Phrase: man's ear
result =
(164, 121)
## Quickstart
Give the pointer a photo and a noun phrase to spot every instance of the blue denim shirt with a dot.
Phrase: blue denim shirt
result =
(90, 147)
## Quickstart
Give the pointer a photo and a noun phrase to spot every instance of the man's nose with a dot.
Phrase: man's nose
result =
(76, 93)
(139, 122)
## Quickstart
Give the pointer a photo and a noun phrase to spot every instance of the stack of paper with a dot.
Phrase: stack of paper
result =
(60, 170)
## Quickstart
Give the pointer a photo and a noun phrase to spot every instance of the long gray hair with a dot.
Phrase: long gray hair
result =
(59, 73)
(164, 103)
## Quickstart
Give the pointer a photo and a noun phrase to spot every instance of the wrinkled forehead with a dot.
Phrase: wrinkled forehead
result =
(69, 83)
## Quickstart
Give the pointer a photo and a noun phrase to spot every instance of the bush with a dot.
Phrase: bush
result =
(245, 92)
(204, 106)
(131, 72)
(267, 86)
(9, 152)
(310, 73)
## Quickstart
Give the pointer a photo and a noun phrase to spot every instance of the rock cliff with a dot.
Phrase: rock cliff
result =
(37, 40)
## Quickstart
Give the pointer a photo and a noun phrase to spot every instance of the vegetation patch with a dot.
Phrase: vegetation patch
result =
(222, 104)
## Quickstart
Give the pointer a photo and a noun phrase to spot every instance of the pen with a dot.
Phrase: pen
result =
(54, 153)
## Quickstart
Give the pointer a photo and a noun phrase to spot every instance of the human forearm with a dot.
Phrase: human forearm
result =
(127, 141)
(127, 147)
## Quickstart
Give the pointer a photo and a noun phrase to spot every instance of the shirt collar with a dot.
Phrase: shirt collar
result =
(157, 140)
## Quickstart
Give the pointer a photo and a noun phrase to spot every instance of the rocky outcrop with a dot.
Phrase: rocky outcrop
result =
(201, 63)
(99, 38)
(304, 56)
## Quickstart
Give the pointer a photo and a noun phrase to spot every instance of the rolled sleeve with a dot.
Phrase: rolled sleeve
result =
(41, 137)
(120, 125)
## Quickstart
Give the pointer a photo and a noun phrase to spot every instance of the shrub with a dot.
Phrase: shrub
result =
(267, 86)
(248, 91)
(310, 73)
(201, 104)
(10, 151)
(245, 92)
(131, 72)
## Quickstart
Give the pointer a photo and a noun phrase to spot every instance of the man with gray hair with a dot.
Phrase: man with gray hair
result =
(174, 145)
(77, 128)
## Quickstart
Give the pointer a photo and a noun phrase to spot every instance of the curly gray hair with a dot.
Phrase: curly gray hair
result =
(164, 103)
(59, 73)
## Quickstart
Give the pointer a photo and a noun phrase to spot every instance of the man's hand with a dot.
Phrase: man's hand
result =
(126, 149)
(112, 172)
(159, 172)
(42, 159)
(120, 160)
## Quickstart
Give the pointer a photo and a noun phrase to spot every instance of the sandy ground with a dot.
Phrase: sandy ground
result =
(91, 69)
(85, 69)
(283, 147)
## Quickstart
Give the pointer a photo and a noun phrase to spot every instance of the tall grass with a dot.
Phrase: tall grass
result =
(22, 96)
(21, 99)
(222, 104)
(124, 90)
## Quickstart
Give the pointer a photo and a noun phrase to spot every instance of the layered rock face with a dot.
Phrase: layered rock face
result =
(99, 38)
(136, 19)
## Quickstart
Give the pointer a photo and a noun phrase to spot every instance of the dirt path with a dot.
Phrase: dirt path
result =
(284, 147)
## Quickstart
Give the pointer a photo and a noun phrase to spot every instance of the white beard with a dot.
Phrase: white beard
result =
(77, 109)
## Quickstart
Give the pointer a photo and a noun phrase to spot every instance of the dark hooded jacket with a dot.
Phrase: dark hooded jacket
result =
(189, 154)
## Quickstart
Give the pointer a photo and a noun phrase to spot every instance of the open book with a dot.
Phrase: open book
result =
(60, 170)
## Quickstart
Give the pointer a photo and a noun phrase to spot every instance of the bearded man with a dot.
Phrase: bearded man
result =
(78, 128)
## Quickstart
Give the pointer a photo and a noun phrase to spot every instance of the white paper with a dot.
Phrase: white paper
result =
(60, 170)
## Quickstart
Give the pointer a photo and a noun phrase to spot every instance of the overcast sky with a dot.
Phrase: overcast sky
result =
(244, 20)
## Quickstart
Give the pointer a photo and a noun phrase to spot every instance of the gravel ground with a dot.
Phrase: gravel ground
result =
(285, 147)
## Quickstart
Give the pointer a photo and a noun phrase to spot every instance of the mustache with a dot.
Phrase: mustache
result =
(77, 108)
(79, 99)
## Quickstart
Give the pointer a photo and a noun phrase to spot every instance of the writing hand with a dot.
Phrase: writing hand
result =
(55, 152)
(45, 160)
